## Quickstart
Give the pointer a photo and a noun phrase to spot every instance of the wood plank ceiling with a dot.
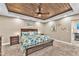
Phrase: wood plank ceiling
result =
(29, 9)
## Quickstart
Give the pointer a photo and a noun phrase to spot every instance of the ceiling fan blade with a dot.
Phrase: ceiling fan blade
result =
(39, 10)
(44, 13)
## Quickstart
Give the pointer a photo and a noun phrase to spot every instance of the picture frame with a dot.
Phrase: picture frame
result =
(53, 28)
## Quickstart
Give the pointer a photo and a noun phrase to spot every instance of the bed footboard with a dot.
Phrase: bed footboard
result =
(38, 47)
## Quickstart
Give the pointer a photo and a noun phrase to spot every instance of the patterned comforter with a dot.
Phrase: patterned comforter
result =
(31, 40)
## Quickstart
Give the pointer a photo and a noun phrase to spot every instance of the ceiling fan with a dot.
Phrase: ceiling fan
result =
(39, 11)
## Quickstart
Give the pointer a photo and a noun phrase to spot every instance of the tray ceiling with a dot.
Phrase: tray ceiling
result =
(29, 9)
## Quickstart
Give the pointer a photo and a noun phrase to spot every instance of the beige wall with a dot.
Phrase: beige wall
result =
(63, 29)
(11, 27)
(60, 34)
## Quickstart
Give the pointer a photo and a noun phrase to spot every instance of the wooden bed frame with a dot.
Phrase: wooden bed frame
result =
(38, 46)
(28, 30)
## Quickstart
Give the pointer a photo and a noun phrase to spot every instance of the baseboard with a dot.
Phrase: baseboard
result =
(77, 45)
(4, 44)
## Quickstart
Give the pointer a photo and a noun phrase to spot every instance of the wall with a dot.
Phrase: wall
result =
(63, 29)
(11, 27)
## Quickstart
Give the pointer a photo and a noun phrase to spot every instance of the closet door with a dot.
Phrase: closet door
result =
(0, 46)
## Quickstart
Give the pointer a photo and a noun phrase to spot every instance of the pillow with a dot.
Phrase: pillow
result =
(34, 33)
(25, 33)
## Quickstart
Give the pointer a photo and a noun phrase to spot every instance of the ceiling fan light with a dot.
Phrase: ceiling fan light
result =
(39, 15)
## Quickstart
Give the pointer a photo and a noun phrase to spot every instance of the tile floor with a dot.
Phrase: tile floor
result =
(59, 49)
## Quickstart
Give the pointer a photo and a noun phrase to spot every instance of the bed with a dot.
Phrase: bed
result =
(31, 41)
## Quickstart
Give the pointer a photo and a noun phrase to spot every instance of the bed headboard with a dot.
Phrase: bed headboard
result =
(28, 30)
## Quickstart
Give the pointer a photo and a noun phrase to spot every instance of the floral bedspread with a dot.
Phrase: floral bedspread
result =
(32, 40)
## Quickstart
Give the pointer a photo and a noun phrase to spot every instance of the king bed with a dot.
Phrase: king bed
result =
(32, 41)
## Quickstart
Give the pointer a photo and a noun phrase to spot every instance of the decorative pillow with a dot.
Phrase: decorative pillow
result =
(25, 33)
(34, 33)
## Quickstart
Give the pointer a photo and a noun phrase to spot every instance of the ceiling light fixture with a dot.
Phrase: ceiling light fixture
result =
(39, 11)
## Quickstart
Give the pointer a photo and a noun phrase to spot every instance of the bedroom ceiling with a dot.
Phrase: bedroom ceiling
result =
(29, 9)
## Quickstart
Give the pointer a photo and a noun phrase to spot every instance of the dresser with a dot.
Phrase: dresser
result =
(0, 46)
(14, 40)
